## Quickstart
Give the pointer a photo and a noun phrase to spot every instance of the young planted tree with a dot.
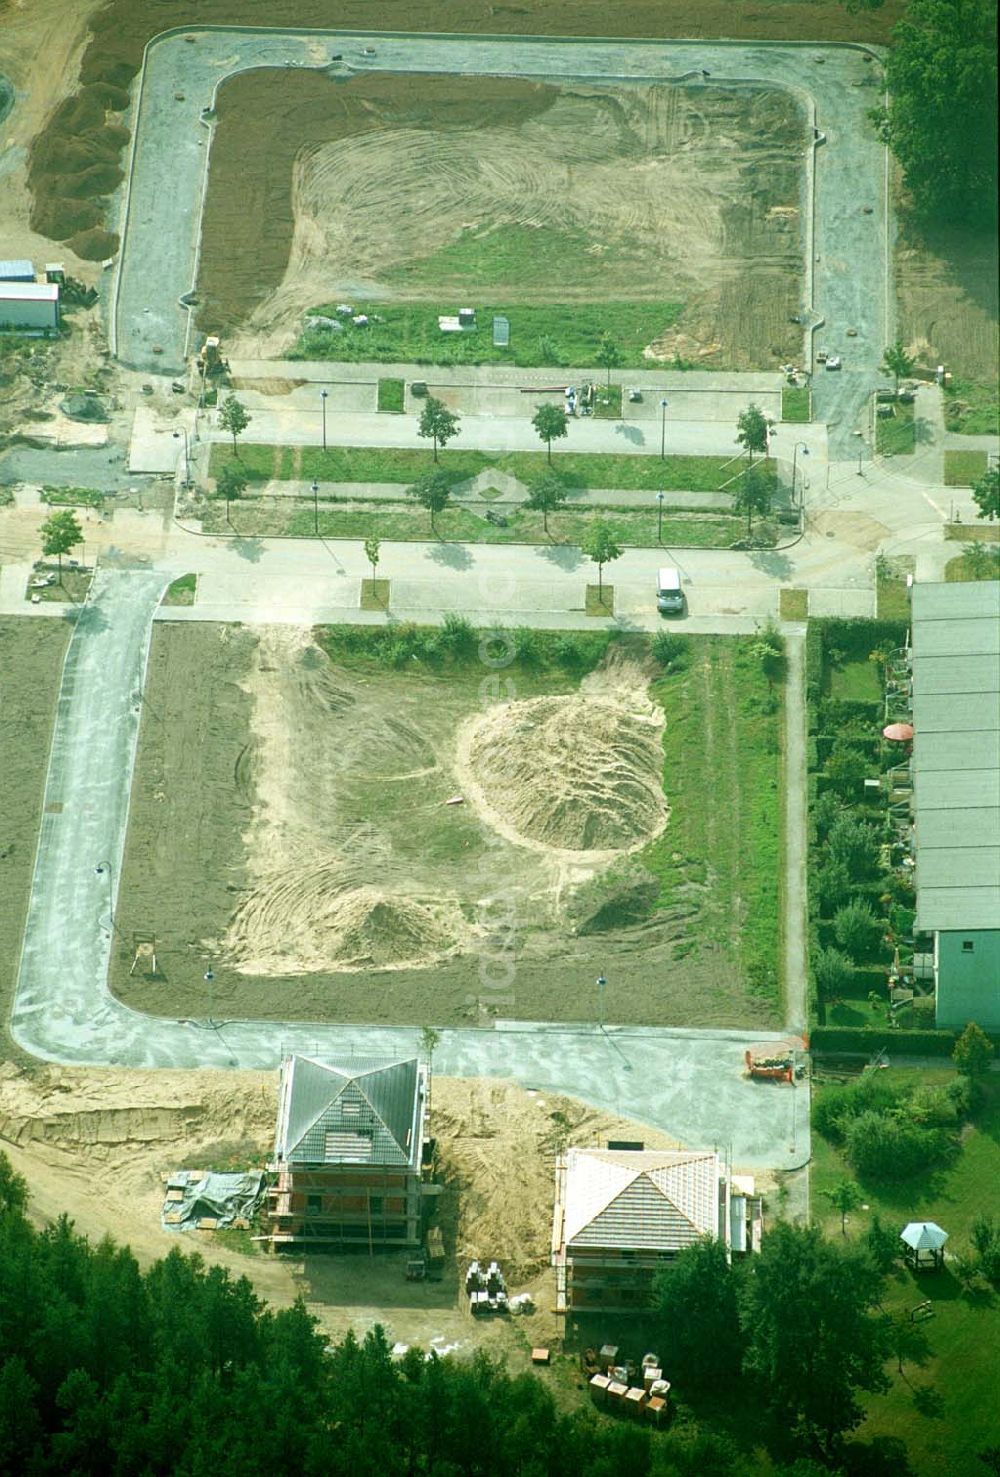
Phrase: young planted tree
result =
(907, 1342)
(437, 423)
(547, 495)
(752, 427)
(598, 543)
(770, 652)
(552, 423)
(753, 495)
(373, 547)
(897, 362)
(856, 928)
(231, 483)
(986, 493)
(432, 491)
(60, 532)
(608, 355)
(233, 418)
(833, 972)
(844, 1197)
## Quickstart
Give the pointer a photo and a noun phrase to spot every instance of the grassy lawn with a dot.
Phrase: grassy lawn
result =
(959, 1414)
(390, 395)
(794, 605)
(375, 594)
(73, 497)
(963, 468)
(855, 682)
(796, 403)
(406, 464)
(972, 407)
(600, 602)
(979, 563)
(896, 436)
(182, 591)
(540, 334)
(722, 740)
(634, 527)
(71, 586)
(891, 596)
(608, 403)
(977, 533)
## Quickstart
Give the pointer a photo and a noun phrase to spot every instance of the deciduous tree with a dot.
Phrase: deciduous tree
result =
(753, 495)
(973, 1051)
(598, 543)
(233, 418)
(231, 483)
(608, 355)
(437, 423)
(844, 1197)
(432, 491)
(897, 362)
(986, 493)
(752, 427)
(552, 423)
(941, 119)
(373, 547)
(60, 533)
(547, 495)
(696, 1301)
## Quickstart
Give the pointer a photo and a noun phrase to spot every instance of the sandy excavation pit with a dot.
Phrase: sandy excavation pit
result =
(367, 187)
(290, 831)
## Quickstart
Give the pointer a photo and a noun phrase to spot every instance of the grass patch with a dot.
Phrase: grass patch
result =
(600, 601)
(896, 436)
(972, 407)
(963, 468)
(979, 562)
(73, 497)
(540, 334)
(608, 403)
(892, 600)
(406, 464)
(854, 682)
(71, 586)
(943, 1431)
(390, 395)
(793, 605)
(796, 403)
(375, 594)
(977, 533)
(633, 527)
(723, 739)
(182, 591)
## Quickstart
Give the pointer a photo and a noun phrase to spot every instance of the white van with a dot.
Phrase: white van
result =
(669, 595)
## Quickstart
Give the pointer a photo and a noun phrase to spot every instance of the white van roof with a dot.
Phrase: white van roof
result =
(668, 579)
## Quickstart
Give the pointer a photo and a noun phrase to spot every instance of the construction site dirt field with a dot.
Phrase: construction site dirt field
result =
(31, 656)
(409, 187)
(94, 1144)
(336, 843)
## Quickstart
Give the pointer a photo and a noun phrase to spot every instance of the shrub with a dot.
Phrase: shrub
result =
(882, 1244)
(833, 885)
(846, 767)
(856, 929)
(527, 647)
(833, 972)
(986, 1240)
(854, 843)
(458, 635)
(827, 808)
(887, 1146)
(973, 1051)
(672, 652)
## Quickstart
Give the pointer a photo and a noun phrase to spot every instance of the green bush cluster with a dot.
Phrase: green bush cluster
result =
(890, 1130)
(457, 644)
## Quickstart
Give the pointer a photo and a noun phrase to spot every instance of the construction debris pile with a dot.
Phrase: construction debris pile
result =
(622, 1388)
(487, 1292)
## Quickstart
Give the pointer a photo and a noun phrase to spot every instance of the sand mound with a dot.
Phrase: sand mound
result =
(311, 919)
(576, 773)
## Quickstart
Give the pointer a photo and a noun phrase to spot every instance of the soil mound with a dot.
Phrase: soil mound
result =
(310, 921)
(577, 773)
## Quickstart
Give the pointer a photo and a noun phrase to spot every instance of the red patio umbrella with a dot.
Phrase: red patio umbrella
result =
(898, 733)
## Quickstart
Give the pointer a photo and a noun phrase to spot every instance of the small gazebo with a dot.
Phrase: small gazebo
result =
(924, 1242)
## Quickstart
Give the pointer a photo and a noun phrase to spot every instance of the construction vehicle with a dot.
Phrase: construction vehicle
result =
(777, 1067)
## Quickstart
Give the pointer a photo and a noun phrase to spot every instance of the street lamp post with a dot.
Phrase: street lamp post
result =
(799, 446)
(663, 429)
(659, 517)
(187, 457)
(601, 985)
(322, 396)
(315, 493)
(861, 452)
(105, 869)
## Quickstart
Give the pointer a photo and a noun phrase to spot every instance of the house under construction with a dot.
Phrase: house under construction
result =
(348, 1152)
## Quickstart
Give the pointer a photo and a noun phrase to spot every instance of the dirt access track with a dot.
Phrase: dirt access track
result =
(844, 192)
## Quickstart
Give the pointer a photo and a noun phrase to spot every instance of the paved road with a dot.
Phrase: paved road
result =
(847, 276)
(688, 1083)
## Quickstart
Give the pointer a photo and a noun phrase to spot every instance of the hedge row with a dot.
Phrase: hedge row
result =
(866, 1040)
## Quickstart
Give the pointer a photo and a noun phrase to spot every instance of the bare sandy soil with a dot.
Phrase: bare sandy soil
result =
(523, 193)
(290, 828)
(94, 1144)
(948, 301)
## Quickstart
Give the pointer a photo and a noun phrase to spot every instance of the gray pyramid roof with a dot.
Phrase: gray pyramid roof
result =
(354, 1111)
